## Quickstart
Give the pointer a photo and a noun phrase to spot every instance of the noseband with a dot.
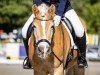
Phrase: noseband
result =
(42, 40)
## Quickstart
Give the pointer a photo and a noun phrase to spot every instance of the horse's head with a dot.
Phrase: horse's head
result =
(43, 28)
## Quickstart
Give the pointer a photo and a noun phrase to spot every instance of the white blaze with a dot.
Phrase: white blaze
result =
(43, 29)
(43, 8)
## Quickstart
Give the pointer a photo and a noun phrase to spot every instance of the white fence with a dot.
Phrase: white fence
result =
(12, 51)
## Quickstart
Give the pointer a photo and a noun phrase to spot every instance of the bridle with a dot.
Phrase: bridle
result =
(44, 40)
(49, 43)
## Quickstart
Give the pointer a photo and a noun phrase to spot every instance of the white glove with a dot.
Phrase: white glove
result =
(57, 20)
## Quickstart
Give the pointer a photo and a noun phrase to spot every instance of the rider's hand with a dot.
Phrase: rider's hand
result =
(57, 20)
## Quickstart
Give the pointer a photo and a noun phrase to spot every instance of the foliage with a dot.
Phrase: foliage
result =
(92, 16)
(79, 4)
(14, 12)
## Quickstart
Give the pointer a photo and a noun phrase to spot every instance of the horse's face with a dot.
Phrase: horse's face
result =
(43, 27)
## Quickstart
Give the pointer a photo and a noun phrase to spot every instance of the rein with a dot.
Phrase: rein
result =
(61, 61)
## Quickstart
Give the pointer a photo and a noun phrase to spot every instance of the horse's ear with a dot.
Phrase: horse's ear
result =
(51, 9)
(35, 9)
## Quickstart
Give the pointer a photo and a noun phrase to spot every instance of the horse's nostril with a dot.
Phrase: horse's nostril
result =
(40, 49)
(42, 16)
(48, 49)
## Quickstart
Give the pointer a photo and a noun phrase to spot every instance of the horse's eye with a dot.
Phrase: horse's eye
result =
(34, 26)
(52, 27)
(34, 29)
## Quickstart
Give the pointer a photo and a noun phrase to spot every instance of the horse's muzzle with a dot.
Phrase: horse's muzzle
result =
(43, 48)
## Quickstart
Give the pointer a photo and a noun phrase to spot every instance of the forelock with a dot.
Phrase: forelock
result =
(43, 8)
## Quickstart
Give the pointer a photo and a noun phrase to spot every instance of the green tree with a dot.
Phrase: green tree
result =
(14, 13)
(78, 5)
(94, 1)
(92, 15)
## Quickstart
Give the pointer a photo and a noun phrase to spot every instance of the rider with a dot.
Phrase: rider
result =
(63, 8)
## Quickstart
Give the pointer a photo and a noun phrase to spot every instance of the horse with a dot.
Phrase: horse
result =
(49, 45)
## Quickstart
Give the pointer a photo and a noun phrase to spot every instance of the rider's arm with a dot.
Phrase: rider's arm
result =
(63, 5)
